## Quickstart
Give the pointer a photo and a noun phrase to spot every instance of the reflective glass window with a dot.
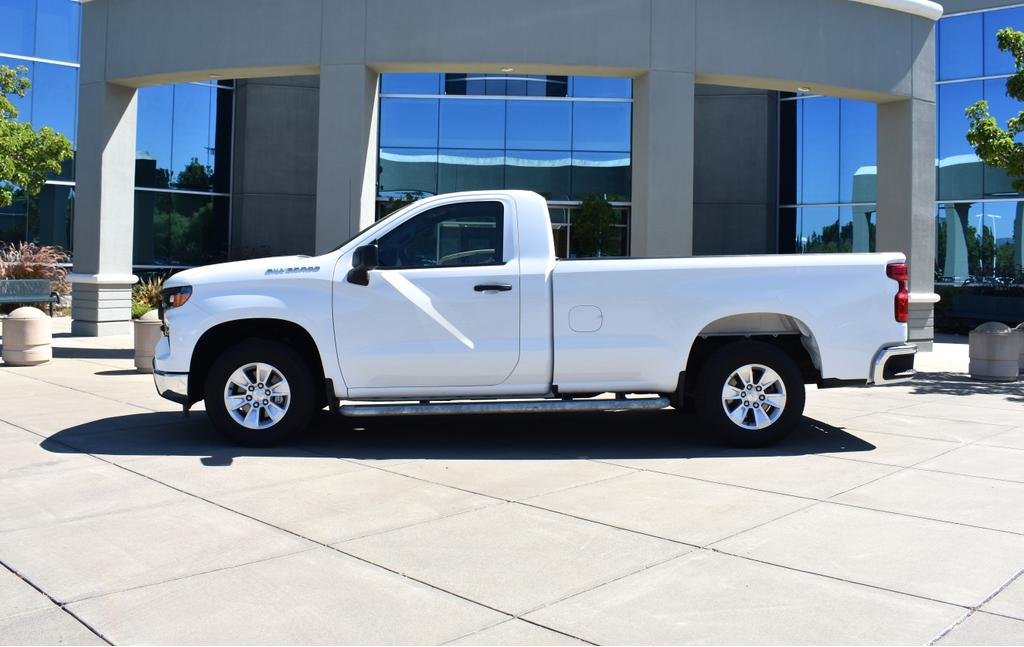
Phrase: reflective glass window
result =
(408, 123)
(469, 170)
(55, 98)
(602, 87)
(960, 47)
(472, 124)
(960, 172)
(22, 104)
(153, 136)
(546, 172)
(540, 85)
(539, 125)
(221, 116)
(606, 174)
(857, 228)
(57, 29)
(49, 216)
(974, 241)
(180, 228)
(454, 235)
(996, 182)
(407, 170)
(410, 83)
(584, 238)
(997, 62)
(12, 220)
(857, 148)
(818, 150)
(18, 26)
(601, 126)
(190, 140)
(818, 230)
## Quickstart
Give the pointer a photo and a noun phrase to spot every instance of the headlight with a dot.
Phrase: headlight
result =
(171, 298)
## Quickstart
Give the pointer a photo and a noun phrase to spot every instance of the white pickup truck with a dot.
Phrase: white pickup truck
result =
(457, 304)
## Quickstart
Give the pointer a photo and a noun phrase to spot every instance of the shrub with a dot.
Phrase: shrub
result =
(31, 261)
(146, 295)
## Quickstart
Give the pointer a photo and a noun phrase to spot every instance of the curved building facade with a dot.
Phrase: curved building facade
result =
(685, 90)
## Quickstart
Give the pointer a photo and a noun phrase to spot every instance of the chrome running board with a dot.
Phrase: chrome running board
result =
(521, 406)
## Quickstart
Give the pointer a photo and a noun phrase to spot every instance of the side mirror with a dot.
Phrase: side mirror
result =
(364, 259)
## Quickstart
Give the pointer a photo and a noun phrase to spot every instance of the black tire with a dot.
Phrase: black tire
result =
(301, 387)
(712, 408)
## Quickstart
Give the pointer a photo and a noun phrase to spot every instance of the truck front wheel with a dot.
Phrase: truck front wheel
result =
(259, 392)
(750, 393)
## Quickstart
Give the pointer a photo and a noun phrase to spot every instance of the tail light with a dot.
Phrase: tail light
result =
(898, 272)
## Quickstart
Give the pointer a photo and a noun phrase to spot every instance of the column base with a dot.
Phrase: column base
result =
(101, 307)
(82, 328)
(920, 327)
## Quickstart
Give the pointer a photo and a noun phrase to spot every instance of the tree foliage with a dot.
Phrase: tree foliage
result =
(592, 227)
(27, 155)
(997, 146)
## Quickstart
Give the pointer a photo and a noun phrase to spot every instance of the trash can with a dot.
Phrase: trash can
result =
(994, 352)
(147, 334)
(28, 334)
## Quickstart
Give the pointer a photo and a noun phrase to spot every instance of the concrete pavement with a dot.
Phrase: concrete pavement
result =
(895, 515)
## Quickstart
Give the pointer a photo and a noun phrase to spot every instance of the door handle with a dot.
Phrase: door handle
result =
(492, 287)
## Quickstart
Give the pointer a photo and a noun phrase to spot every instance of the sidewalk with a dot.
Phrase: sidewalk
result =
(895, 515)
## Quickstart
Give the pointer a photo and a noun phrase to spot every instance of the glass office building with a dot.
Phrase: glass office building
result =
(565, 137)
(183, 162)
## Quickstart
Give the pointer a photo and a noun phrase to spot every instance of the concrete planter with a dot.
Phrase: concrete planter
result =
(994, 352)
(28, 333)
(147, 334)
(1020, 335)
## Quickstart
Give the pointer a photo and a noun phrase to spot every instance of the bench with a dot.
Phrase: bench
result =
(28, 291)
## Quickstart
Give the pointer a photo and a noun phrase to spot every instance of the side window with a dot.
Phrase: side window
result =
(467, 233)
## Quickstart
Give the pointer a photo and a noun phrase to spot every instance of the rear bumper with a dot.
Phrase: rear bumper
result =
(172, 386)
(894, 364)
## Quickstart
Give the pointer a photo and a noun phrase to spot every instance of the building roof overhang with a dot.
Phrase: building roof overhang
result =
(923, 8)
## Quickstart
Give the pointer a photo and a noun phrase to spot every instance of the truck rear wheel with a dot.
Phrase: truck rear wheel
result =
(259, 392)
(750, 393)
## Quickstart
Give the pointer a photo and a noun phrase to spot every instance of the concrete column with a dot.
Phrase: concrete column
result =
(346, 183)
(662, 216)
(906, 201)
(104, 210)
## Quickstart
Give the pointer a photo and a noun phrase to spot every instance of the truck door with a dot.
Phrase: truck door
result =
(442, 309)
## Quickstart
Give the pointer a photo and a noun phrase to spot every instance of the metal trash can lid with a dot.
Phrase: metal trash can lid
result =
(993, 328)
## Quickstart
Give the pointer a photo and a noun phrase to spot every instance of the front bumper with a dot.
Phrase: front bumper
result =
(173, 386)
(894, 364)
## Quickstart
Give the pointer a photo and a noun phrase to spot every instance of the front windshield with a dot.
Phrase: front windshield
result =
(374, 225)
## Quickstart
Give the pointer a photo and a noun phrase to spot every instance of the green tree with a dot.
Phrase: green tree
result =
(592, 227)
(997, 146)
(27, 155)
(195, 176)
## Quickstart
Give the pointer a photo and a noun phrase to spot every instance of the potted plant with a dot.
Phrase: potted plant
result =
(146, 321)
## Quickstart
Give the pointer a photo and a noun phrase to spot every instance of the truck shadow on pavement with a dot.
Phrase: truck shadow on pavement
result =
(654, 434)
(960, 384)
